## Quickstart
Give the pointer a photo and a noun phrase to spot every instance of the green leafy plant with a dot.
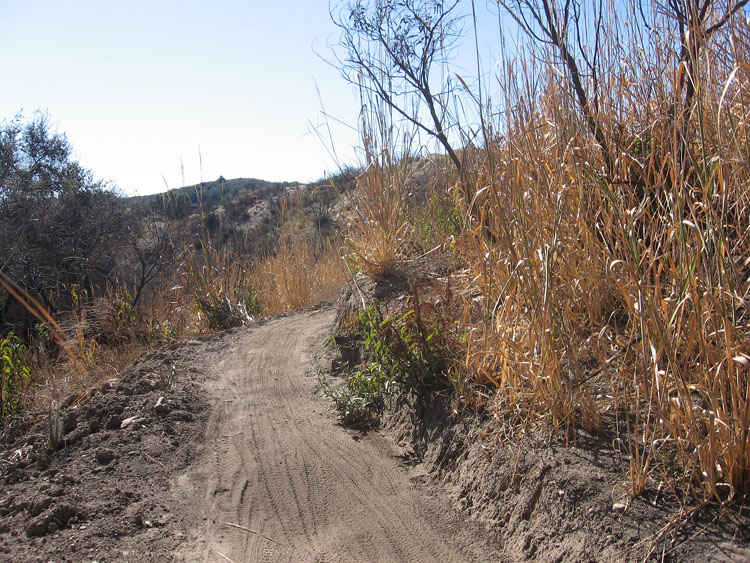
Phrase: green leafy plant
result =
(405, 357)
(15, 372)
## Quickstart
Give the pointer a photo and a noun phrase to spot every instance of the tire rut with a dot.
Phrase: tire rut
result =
(279, 480)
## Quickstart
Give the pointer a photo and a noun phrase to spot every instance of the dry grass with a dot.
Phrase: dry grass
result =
(609, 291)
(304, 270)
(300, 274)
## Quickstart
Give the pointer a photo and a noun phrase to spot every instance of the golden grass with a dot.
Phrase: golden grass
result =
(608, 294)
(299, 275)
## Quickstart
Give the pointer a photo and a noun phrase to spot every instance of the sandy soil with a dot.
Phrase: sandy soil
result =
(278, 480)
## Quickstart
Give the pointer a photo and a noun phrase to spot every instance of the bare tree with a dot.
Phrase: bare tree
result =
(392, 47)
(560, 25)
(155, 249)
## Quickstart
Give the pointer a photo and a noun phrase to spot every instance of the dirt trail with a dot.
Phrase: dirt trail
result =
(279, 480)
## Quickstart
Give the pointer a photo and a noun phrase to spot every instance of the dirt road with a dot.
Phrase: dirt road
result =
(279, 480)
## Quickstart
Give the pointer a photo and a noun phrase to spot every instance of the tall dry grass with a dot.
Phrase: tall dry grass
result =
(301, 273)
(605, 286)
(304, 270)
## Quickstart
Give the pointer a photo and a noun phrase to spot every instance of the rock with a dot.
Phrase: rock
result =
(52, 527)
(43, 461)
(39, 505)
(70, 422)
(181, 415)
(18, 506)
(69, 400)
(63, 512)
(114, 422)
(56, 492)
(37, 527)
(161, 406)
(94, 425)
(619, 507)
(144, 386)
(104, 455)
(67, 480)
(116, 405)
(134, 421)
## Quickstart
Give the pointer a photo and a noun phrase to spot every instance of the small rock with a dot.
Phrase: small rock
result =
(114, 422)
(43, 461)
(131, 421)
(39, 506)
(104, 455)
(145, 385)
(161, 406)
(69, 400)
(181, 415)
(619, 507)
(70, 422)
(37, 527)
(63, 512)
(94, 425)
(56, 492)
(66, 479)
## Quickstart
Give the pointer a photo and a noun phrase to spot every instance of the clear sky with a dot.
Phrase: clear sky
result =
(142, 87)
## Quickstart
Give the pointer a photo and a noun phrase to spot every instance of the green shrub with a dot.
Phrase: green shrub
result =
(405, 356)
(15, 372)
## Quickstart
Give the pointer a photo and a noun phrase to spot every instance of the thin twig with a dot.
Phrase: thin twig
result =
(154, 459)
(256, 533)
(220, 554)
(356, 285)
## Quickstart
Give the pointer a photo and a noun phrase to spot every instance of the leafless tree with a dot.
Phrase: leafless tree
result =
(391, 49)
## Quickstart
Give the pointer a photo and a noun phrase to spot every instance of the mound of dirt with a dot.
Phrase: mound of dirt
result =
(547, 502)
(104, 494)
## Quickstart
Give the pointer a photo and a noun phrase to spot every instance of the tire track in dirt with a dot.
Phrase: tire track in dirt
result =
(279, 481)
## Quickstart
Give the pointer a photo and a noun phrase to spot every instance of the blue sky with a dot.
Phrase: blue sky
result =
(140, 87)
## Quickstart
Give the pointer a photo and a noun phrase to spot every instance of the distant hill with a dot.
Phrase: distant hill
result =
(210, 195)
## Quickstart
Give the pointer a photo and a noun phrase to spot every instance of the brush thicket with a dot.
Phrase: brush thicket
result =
(605, 286)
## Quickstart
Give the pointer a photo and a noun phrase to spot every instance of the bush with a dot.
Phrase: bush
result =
(405, 357)
(14, 371)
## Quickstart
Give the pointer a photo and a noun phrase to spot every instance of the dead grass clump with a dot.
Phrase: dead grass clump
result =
(300, 274)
